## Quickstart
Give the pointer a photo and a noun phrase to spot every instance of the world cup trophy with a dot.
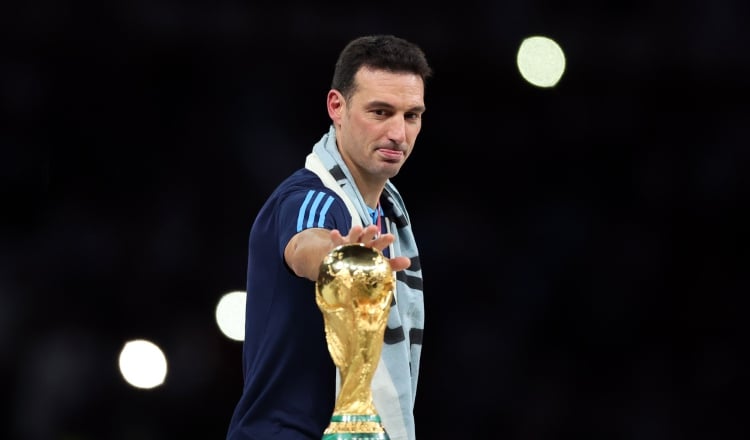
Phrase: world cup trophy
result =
(354, 291)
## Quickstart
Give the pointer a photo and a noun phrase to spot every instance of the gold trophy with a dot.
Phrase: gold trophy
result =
(354, 291)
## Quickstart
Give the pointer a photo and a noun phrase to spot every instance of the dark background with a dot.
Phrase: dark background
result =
(584, 248)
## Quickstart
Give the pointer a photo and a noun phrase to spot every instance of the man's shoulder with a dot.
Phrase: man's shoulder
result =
(300, 180)
(303, 190)
(302, 177)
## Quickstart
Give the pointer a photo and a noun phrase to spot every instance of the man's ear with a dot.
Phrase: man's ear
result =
(335, 103)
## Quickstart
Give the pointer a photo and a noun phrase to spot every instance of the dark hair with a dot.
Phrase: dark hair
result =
(385, 52)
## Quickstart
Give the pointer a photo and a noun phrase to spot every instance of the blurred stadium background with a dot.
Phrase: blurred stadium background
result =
(584, 246)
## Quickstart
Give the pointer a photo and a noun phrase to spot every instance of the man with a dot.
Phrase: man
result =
(343, 195)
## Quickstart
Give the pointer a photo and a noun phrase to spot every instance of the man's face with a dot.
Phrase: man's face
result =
(380, 122)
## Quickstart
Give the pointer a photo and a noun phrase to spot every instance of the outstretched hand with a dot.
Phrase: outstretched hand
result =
(370, 237)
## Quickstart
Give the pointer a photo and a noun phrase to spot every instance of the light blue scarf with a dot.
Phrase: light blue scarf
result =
(394, 386)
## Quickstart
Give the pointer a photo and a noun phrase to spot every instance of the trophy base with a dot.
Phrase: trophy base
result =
(356, 436)
(355, 427)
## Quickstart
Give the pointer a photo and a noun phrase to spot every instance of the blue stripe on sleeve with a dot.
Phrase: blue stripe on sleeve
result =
(302, 209)
(311, 215)
(324, 211)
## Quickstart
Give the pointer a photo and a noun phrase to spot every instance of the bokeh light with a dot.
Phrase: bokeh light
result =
(541, 61)
(143, 364)
(230, 315)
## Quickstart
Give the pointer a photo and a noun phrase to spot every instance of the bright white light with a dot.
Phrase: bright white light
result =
(230, 315)
(541, 61)
(143, 364)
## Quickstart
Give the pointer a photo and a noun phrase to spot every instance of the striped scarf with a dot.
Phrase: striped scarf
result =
(394, 385)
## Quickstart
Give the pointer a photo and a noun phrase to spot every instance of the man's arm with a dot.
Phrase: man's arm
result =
(306, 250)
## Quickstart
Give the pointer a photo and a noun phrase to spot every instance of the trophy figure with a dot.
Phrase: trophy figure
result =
(354, 291)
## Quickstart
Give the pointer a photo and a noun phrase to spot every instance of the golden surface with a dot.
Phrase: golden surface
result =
(354, 291)
(358, 427)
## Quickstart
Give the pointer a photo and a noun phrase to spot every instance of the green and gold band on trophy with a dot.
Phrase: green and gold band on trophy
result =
(354, 292)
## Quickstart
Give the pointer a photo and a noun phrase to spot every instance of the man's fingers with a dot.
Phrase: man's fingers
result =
(400, 263)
